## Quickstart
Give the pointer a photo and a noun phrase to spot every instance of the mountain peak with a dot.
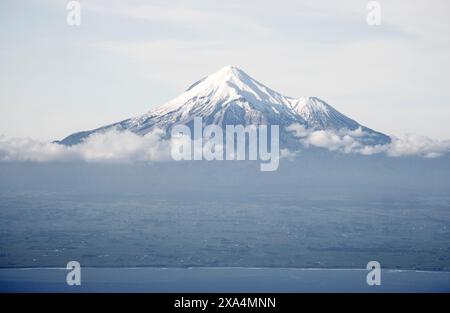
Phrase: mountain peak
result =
(226, 85)
(230, 68)
(230, 73)
(232, 97)
(227, 73)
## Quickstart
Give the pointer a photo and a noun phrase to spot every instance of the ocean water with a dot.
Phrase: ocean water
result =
(258, 230)
(220, 279)
(331, 213)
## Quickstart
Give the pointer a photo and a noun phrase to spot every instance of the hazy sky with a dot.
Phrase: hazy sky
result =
(129, 56)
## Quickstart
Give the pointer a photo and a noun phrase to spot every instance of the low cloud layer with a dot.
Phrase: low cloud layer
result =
(124, 146)
(348, 141)
(112, 146)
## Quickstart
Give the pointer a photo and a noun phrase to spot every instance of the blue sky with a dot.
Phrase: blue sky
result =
(129, 56)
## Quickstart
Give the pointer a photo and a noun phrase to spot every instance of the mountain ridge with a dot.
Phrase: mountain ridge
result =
(232, 97)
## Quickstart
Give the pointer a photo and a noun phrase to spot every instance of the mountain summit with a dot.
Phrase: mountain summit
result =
(231, 97)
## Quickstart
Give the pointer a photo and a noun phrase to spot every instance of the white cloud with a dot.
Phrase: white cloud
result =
(332, 141)
(288, 154)
(123, 146)
(418, 145)
(348, 141)
(188, 16)
(112, 146)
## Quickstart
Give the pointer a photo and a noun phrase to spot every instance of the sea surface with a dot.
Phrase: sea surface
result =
(323, 213)
(222, 280)
(217, 230)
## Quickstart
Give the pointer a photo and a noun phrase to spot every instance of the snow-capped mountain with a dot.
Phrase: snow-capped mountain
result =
(231, 97)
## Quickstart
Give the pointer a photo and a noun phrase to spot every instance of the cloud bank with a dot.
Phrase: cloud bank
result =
(123, 146)
(112, 146)
(349, 141)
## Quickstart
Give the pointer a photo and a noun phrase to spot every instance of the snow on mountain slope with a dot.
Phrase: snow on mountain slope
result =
(321, 115)
(231, 97)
